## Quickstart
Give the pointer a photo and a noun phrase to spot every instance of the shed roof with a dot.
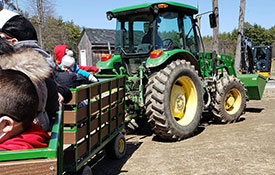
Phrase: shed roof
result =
(100, 36)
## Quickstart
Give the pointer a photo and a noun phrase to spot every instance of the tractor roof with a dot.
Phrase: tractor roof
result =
(149, 8)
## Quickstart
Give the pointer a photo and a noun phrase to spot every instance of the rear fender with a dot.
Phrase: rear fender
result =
(172, 55)
(109, 64)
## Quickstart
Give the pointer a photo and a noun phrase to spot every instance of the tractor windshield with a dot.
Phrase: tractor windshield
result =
(261, 59)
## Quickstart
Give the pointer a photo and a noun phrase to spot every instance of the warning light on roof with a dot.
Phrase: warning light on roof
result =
(162, 6)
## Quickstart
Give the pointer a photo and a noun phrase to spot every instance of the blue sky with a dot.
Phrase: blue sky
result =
(92, 13)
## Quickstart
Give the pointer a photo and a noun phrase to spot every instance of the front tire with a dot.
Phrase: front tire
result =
(229, 99)
(174, 101)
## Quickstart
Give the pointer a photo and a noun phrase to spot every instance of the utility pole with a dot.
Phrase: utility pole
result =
(237, 62)
(216, 29)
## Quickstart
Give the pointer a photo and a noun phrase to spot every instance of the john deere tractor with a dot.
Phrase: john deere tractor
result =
(169, 81)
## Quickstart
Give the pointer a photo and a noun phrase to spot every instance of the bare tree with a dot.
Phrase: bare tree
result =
(10, 4)
(240, 32)
(216, 29)
(40, 10)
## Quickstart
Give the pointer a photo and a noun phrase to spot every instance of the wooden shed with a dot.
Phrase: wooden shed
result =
(93, 44)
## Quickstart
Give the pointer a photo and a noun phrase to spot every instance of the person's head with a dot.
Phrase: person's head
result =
(15, 27)
(60, 51)
(67, 63)
(19, 103)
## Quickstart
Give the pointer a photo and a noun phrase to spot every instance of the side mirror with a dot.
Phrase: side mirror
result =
(109, 16)
(212, 20)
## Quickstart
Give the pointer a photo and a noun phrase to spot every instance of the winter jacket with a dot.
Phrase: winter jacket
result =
(33, 137)
(88, 68)
(60, 51)
(70, 79)
(37, 68)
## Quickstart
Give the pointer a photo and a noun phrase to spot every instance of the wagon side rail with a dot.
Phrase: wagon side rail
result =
(96, 118)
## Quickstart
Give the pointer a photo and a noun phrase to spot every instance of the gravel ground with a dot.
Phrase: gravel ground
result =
(245, 147)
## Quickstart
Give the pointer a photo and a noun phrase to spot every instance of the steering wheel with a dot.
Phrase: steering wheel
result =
(168, 43)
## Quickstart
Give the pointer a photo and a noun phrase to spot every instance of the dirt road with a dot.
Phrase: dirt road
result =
(245, 147)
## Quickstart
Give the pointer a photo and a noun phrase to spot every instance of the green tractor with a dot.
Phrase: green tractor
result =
(169, 81)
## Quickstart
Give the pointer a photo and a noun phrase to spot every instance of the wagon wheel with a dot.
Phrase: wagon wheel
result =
(117, 147)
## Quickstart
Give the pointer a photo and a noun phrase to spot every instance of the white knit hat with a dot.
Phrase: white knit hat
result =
(70, 53)
(68, 61)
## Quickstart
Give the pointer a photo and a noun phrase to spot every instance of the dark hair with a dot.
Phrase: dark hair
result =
(20, 28)
(18, 96)
(5, 48)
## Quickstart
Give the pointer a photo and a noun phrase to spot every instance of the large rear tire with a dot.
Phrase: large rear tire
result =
(229, 100)
(174, 101)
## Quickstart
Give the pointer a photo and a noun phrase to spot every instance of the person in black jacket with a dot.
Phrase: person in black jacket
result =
(70, 79)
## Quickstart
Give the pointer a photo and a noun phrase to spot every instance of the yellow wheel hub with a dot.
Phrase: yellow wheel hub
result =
(121, 145)
(232, 101)
(183, 100)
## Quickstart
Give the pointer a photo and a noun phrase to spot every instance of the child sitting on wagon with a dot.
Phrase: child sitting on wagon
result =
(19, 106)
(68, 64)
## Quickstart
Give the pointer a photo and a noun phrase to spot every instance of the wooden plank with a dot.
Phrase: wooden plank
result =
(114, 97)
(104, 132)
(113, 84)
(120, 119)
(94, 140)
(120, 108)
(113, 125)
(69, 155)
(69, 117)
(104, 87)
(82, 113)
(82, 149)
(29, 167)
(81, 132)
(69, 137)
(120, 95)
(72, 102)
(94, 124)
(94, 90)
(104, 117)
(94, 107)
(121, 82)
(105, 102)
(113, 112)
(82, 95)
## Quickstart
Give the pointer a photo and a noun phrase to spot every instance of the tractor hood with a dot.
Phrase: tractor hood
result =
(151, 8)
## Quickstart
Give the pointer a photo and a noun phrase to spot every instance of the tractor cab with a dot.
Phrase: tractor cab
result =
(262, 60)
(164, 30)
(147, 31)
